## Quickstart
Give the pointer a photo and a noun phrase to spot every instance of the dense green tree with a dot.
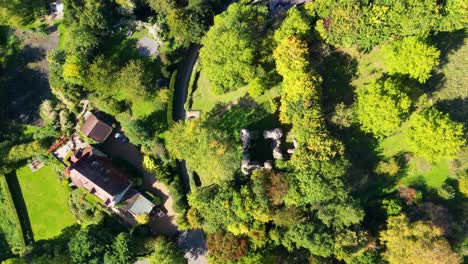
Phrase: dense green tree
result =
(368, 23)
(410, 56)
(88, 245)
(120, 253)
(134, 82)
(17, 13)
(95, 16)
(166, 252)
(433, 135)
(382, 106)
(80, 39)
(230, 48)
(101, 78)
(417, 242)
(207, 151)
(188, 25)
(163, 6)
(136, 131)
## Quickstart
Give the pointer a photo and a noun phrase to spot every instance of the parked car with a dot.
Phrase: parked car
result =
(120, 137)
(159, 213)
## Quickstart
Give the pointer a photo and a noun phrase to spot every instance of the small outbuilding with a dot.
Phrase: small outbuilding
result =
(139, 205)
(96, 129)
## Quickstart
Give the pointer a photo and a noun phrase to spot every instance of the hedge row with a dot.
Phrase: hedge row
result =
(170, 103)
(9, 218)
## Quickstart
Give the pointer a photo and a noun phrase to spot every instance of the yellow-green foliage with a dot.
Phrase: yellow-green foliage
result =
(295, 24)
(433, 135)
(142, 219)
(382, 106)
(73, 71)
(417, 242)
(300, 104)
(291, 58)
(463, 183)
(411, 56)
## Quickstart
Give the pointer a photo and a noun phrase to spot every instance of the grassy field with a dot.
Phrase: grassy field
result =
(418, 171)
(204, 99)
(46, 201)
(433, 175)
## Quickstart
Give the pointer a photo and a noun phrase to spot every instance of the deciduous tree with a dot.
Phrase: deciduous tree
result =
(411, 56)
(433, 135)
(417, 242)
(230, 48)
(382, 106)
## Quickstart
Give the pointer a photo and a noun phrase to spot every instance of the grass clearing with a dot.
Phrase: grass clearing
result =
(204, 99)
(46, 201)
(418, 170)
(433, 175)
(394, 144)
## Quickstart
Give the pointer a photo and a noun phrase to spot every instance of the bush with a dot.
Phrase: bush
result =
(446, 192)
(389, 167)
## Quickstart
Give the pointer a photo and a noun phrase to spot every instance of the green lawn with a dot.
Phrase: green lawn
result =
(393, 144)
(204, 99)
(418, 171)
(433, 175)
(46, 201)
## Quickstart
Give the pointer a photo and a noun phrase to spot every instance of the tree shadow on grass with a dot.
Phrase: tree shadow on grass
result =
(457, 109)
(337, 71)
(448, 42)
(20, 205)
(5, 251)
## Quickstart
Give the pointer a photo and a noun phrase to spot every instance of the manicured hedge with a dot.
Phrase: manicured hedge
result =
(170, 103)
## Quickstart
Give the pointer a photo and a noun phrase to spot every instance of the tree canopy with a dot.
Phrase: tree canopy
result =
(229, 55)
(417, 242)
(207, 151)
(411, 56)
(433, 135)
(382, 106)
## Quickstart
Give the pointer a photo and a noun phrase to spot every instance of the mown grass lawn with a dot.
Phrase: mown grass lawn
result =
(204, 99)
(46, 201)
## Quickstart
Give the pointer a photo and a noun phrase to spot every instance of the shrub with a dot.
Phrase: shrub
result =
(389, 167)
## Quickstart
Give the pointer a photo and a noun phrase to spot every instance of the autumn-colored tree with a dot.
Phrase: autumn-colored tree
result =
(226, 247)
(414, 243)
(291, 58)
(297, 23)
(408, 194)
